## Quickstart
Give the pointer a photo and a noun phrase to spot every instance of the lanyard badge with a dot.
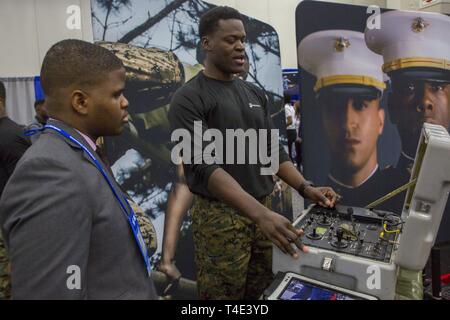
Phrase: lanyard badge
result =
(126, 209)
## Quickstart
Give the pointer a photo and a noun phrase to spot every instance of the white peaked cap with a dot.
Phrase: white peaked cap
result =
(340, 57)
(411, 39)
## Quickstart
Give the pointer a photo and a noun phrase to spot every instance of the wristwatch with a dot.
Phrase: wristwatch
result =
(303, 186)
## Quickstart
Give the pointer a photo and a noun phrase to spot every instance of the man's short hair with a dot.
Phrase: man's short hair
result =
(76, 62)
(2, 91)
(210, 19)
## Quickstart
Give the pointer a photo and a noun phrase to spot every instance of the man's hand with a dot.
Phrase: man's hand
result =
(275, 227)
(324, 196)
(170, 270)
(173, 276)
(280, 231)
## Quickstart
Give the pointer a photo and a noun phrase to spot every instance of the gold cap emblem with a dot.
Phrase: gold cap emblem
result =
(419, 25)
(341, 43)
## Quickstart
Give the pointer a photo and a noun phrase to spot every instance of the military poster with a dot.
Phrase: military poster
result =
(366, 91)
(158, 43)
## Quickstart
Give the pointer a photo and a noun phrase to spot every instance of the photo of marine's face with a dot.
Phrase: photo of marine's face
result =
(352, 127)
(414, 102)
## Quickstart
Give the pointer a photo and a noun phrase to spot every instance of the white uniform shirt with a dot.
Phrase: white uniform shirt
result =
(290, 111)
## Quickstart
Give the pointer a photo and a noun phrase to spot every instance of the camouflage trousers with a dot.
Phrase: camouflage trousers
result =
(233, 257)
(5, 281)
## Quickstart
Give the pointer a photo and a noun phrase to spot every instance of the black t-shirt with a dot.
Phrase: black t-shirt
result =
(13, 145)
(223, 105)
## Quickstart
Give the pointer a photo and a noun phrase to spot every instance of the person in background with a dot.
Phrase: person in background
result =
(298, 140)
(291, 132)
(39, 104)
(13, 142)
(41, 115)
(13, 145)
(41, 112)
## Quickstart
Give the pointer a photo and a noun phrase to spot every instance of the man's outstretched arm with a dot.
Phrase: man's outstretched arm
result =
(179, 202)
(324, 196)
(275, 227)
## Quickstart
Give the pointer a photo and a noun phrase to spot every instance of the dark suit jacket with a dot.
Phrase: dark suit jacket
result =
(59, 216)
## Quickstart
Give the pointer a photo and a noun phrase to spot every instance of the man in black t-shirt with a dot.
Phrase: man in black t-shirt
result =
(232, 223)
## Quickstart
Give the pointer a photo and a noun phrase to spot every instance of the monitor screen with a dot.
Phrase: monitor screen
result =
(300, 290)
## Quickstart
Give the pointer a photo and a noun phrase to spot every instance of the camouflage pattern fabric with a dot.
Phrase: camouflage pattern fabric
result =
(233, 257)
(147, 229)
(5, 281)
(147, 64)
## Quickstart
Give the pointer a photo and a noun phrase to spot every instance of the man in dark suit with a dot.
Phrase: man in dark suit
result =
(67, 234)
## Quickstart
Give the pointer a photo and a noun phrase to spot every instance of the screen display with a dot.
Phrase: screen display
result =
(299, 290)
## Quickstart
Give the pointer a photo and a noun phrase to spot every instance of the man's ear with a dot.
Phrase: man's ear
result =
(381, 116)
(206, 43)
(79, 102)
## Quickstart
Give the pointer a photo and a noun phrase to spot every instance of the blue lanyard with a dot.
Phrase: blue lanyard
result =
(126, 209)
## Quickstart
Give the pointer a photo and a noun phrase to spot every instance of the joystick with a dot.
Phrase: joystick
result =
(350, 213)
(339, 234)
(339, 243)
(314, 235)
